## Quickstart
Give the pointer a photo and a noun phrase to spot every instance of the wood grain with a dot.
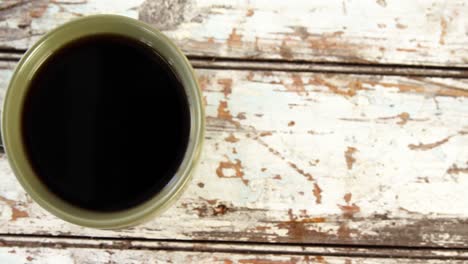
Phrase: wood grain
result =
(371, 31)
(308, 158)
(68, 250)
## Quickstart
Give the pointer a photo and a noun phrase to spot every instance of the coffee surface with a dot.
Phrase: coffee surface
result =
(106, 123)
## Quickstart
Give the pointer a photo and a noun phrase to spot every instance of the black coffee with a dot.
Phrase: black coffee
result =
(105, 123)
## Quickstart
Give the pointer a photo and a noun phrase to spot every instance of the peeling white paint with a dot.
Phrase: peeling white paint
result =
(419, 33)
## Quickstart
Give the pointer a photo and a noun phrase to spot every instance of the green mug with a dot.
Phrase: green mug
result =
(14, 107)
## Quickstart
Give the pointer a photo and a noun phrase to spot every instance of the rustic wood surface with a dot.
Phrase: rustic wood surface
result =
(328, 140)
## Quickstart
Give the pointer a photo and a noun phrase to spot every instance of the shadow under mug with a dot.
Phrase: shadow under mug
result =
(14, 105)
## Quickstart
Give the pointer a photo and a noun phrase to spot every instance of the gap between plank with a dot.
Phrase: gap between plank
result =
(237, 247)
(328, 67)
(228, 63)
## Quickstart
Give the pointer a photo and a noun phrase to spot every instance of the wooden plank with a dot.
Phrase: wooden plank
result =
(371, 31)
(66, 250)
(309, 158)
(82, 255)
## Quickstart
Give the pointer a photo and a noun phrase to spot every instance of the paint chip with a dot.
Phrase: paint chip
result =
(317, 193)
(236, 166)
(227, 86)
(456, 170)
(443, 30)
(382, 3)
(424, 147)
(277, 177)
(349, 157)
(231, 138)
(234, 40)
(285, 51)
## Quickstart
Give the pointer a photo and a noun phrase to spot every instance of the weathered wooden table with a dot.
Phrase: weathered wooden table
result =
(337, 132)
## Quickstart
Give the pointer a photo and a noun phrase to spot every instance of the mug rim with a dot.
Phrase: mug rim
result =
(17, 90)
